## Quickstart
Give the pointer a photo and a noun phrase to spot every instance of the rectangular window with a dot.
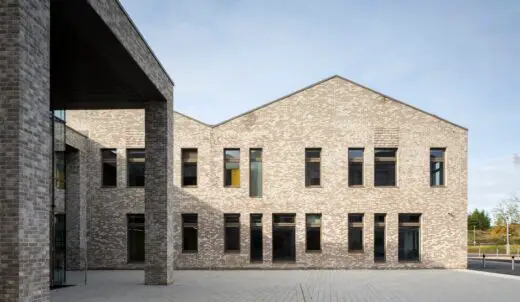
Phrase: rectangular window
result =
(189, 233)
(232, 167)
(379, 238)
(135, 167)
(255, 172)
(135, 224)
(231, 232)
(109, 167)
(437, 167)
(384, 167)
(312, 167)
(59, 169)
(256, 238)
(284, 237)
(409, 236)
(313, 232)
(355, 166)
(189, 167)
(355, 232)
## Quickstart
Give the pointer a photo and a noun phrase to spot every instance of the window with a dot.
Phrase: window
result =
(255, 172)
(256, 247)
(59, 169)
(312, 167)
(384, 165)
(355, 166)
(109, 167)
(409, 236)
(135, 166)
(232, 167)
(135, 225)
(313, 232)
(355, 232)
(189, 167)
(189, 233)
(379, 238)
(232, 232)
(437, 167)
(284, 237)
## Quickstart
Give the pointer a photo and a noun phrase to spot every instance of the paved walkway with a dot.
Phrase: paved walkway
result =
(294, 285)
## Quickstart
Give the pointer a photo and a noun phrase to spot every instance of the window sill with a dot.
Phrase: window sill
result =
(356, 186)
(108, 187)
(231, 187)
(380, 261)
(438, 187)
(256, 197)
(356, 252)
(190, 252)
(232, 252)
(313, 251)
(314, 186)
(135, 187)
(409, 261)
(386, 187)
(190, 187)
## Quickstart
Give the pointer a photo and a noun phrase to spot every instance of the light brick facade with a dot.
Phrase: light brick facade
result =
(333, 115)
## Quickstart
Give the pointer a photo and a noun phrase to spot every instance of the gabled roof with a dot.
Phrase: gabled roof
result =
(316, 84)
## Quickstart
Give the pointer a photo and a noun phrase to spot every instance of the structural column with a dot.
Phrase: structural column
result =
(159, 226)
(25, 147)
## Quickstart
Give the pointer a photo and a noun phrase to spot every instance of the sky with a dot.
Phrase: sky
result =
(457, 59)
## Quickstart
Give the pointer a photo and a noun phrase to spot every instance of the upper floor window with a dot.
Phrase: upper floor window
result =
(312, 167)
(59, 169)
(232, 167)
(135, 167)
(255, 172)
(355, 166)
(437, 167)
(189, 167)
(384, 167)
(109, 167)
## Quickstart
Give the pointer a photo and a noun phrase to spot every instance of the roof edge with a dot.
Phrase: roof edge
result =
(193, 119)
(316, 84)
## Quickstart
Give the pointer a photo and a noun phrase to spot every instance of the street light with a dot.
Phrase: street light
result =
(508, 222)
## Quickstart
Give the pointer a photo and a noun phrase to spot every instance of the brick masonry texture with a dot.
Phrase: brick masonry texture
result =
(333, 115)
(25, 142)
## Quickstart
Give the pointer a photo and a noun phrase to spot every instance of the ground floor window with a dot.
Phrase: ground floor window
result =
(355, 232)
(313, 232)
(284, 243)
(135, 237)
(231, 232)
(379, 237)
(409, 237)
(189, 233)
(256, 238)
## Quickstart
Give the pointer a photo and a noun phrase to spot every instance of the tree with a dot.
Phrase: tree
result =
(507, 209)
(479, 219)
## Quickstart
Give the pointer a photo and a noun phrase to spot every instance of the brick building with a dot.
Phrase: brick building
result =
(334, 175)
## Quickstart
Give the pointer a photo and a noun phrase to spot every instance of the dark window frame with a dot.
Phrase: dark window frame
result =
(380, 225)
(185, 224)
(354, 224)
(135, 160)
(187, 160)
(108, 160)
(256, 160)
(230, 160)
(134, 224)
(231, 224)
(413, 222)
(308, 227)
(441, 170)
(308, 161)
(356, 160)
(387, 160)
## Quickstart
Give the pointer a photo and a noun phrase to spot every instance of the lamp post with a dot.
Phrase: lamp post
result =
(474, 241)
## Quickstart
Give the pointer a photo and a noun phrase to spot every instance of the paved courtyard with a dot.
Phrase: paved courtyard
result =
(295, 285)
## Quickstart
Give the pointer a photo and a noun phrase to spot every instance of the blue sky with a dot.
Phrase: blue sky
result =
(457, 59)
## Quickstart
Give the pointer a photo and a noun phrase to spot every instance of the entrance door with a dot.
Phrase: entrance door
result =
(257, 254)
(284, 237)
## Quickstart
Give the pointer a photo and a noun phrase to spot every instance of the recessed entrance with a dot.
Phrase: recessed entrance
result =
(284, 247)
